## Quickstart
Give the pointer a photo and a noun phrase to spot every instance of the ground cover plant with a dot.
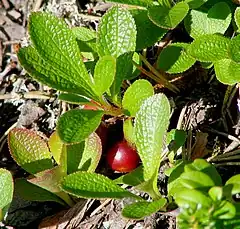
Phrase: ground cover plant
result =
(64, 167)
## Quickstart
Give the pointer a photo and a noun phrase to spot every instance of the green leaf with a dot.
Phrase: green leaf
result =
(50, 75)
(174, 58)
(147, 32)
(104, 74)
(91, 154)
(194, 4)
(135, 95)
(144, 3)
(56, 44)
(176, 139)
(133, 178)
(116, 33)
(135, 71)
(234, 49)
(150, 126)
(84, 34)
(117, 38)
(6, 190)
(73, 98)
(129, 131)
(192, 198)
(168, 18)
(92, 185)
(141, 209)
(216, 193)
(216, 20)
(237, 17)
(76, 125)
(55, 145)
(227, 71)
(226, 211)
(209, 48)
(205, 167)
(31, 192)
(195, 180)
(29, 150)
(235, 182)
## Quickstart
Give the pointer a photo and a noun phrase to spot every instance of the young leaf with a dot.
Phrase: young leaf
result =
(29, 191)
(104, 74)
(234, 49)
(194, 4)
(73, 98)
(227, 71)
(55, 145)
(226, 210)
(117, 38)
(76, 125)
(29, 150)
(129, 131)
(133, 178)
(168, 18)
(151, 123)
(174, 58)
(192, 198)
(235, 181)
(216, 20)
(91, 154)
(6, 190)
(144, 3)
(147, 32)
(237, 17)
(56, 44)
(50, 75)
(209, 48)
(92, 185)
(141, 209)
(84, 34)
(136, 94)
(216, 193)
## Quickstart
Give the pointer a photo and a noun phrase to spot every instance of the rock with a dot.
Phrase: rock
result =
(14, 14)
(15, 31)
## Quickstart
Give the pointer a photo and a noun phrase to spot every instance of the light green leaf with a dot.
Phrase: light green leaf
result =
(29, 150)
(92, 185)
(84, 34)
(209, 48)
(129, 131)
(227, 71)
(147, 32)
(133, 178)
(226, 210)
(6, 190)
(216, 20)
(235, 181)
(216, 193)
(174, 58)
(55, 145)
(50, 75)
(116, 33)
(194, 4)
(104, 74)
(76, 125)
(234, 49)
(91, 154)
(150, 126)
(29, 191)
(73, 98)
(168, 18)
(192, 198)
(141, 209)
(237, 17)
(56, 44)
(135, 95)
(144, 3)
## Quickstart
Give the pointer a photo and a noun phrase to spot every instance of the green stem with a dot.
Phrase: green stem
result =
(64, 196)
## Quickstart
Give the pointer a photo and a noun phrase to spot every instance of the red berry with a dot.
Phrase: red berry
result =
(122, 157)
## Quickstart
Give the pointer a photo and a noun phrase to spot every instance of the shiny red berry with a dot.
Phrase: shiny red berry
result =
(122, 157)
